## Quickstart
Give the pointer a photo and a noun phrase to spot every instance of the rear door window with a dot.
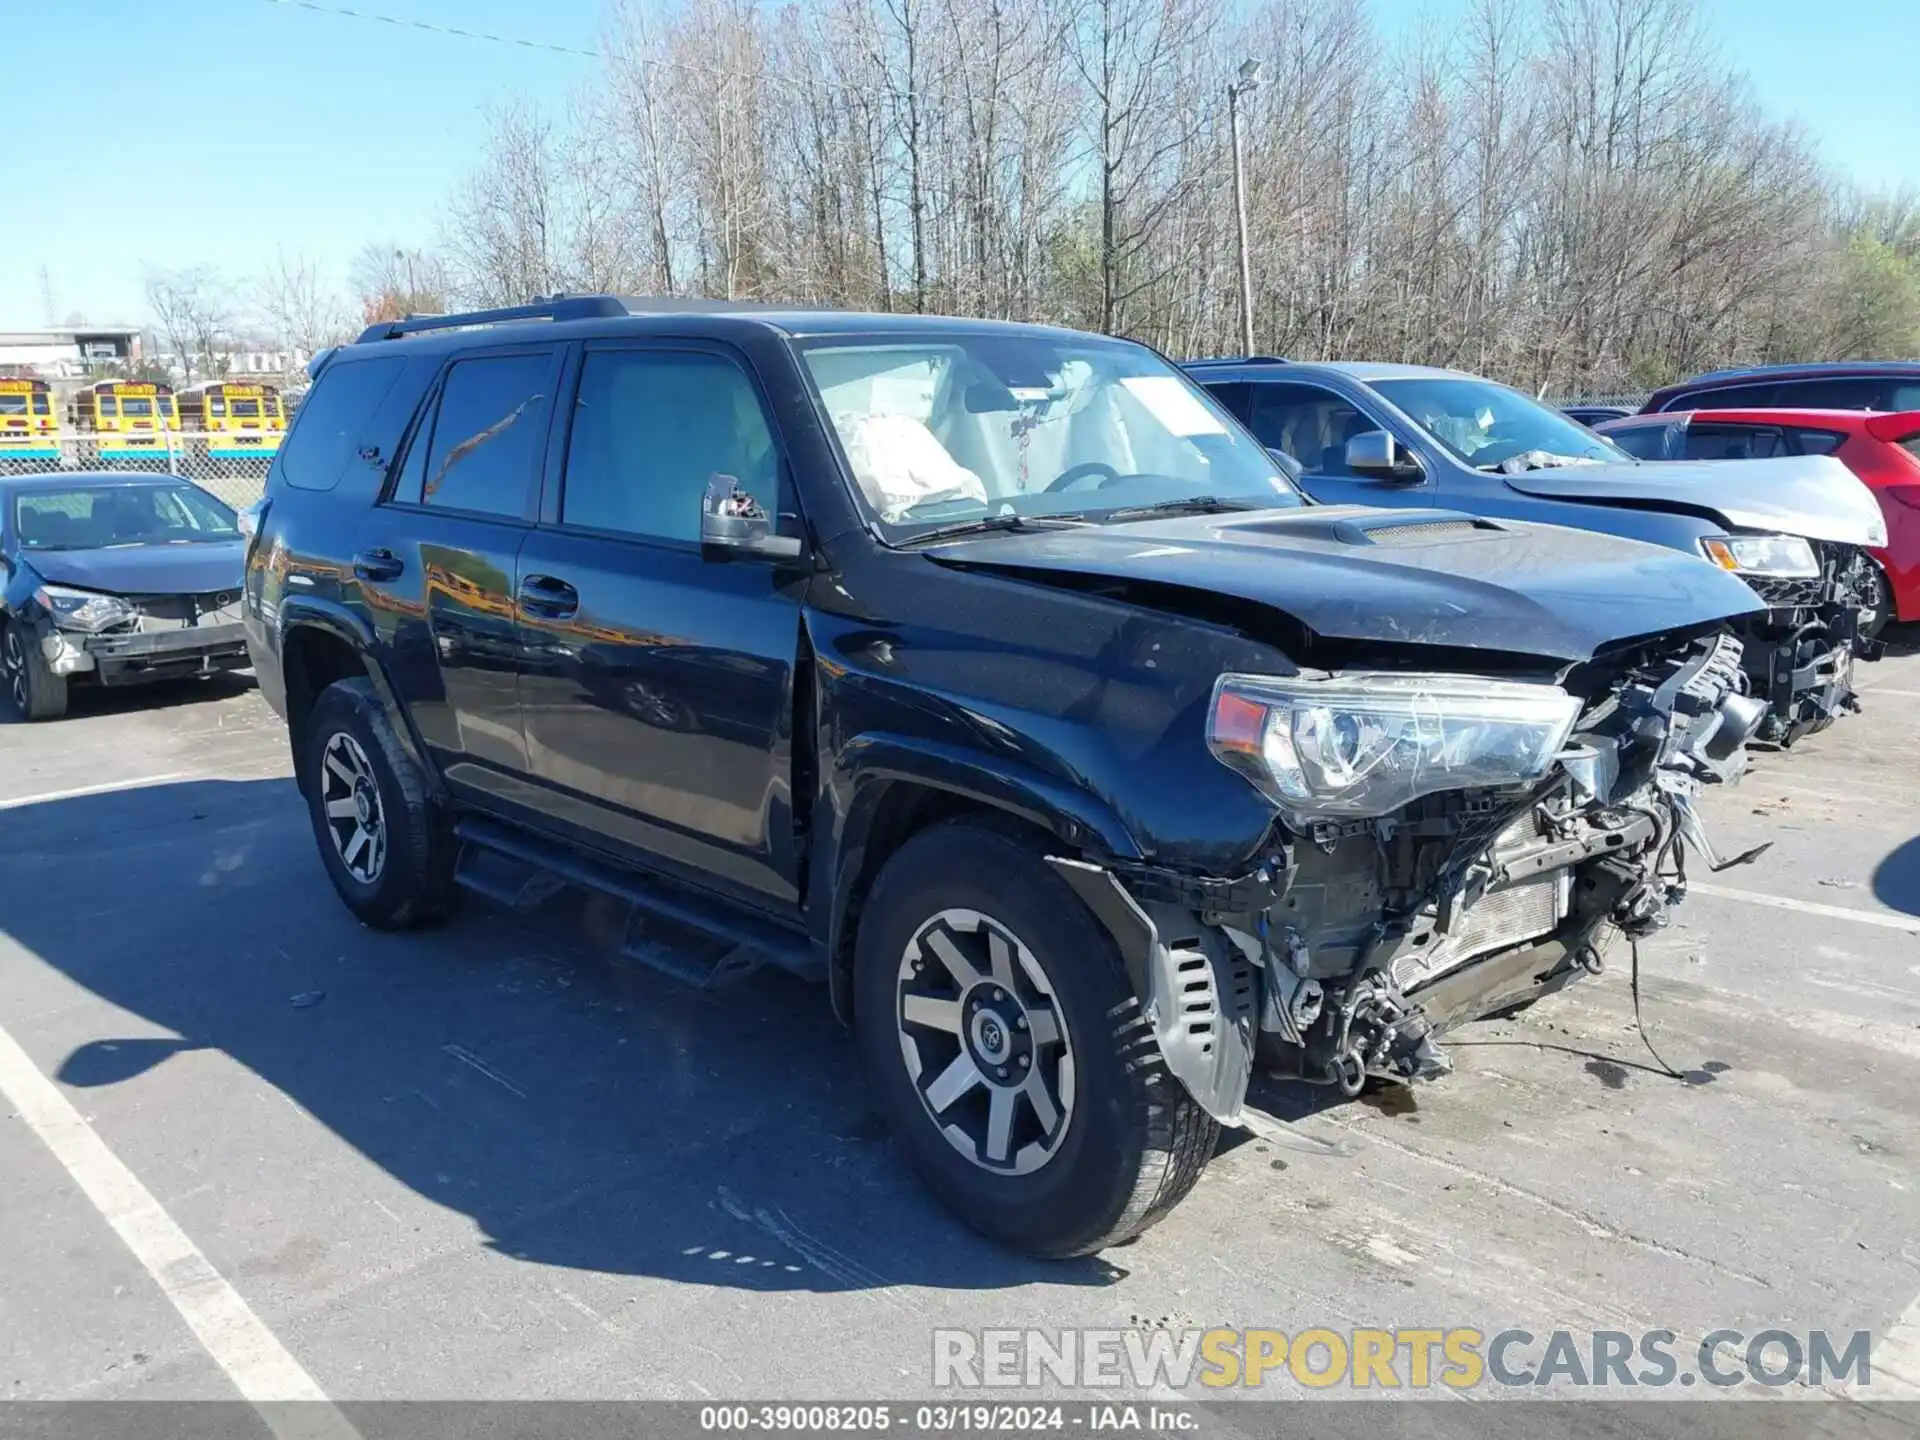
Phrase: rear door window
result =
(1727, 397)
(489, 432)
(1310, 424)
(1836, 393)
(1721, 441)
(1643, 442)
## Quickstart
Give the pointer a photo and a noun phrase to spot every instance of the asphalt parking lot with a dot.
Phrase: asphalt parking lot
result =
(493, 1161)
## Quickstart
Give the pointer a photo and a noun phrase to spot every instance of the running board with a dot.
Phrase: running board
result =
(738, 941)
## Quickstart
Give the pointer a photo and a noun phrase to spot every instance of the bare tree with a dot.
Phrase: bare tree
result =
(388, 280)
(194, 310)
(1564, 193)
(301, 310)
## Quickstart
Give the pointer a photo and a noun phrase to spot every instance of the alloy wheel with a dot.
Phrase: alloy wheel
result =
(985, 1042)
(14, 661)
(350, 797)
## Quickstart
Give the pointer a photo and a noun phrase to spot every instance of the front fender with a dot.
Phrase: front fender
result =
(312, 612)
(1674, 529)
(865, 772)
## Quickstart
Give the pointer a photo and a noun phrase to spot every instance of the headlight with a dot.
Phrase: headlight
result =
(83, 609)
(1365, 745)
(1762, 554)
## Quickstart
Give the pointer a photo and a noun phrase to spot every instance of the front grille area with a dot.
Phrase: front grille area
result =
(1783, 591)
(1524, 910)
(182, 608)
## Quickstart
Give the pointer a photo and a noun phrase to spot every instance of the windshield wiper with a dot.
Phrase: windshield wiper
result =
(993, 523)
(1186, 505)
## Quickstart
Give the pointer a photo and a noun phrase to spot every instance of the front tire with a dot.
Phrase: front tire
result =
(1878, 611)
(1009, 1051)
(37, 693)
(388, 850)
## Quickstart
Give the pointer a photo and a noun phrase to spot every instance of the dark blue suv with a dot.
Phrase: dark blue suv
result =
(1795, 529)
(1826, 385)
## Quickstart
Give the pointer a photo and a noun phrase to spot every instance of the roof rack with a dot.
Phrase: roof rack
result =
(559, 307)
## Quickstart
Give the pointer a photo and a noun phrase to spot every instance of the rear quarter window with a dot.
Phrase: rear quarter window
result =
(337, 421)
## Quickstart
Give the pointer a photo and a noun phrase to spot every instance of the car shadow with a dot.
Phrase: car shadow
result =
(93, 700)
(581, 1110)
(1896, 879)
(1902, 639)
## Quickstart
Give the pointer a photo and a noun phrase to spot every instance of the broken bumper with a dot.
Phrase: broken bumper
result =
(137, 658)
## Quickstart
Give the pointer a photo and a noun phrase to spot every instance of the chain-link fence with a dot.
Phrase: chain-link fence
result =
(232, 465)
(1625, 399)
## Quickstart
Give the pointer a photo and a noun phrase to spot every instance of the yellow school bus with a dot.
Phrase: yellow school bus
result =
(123, 422)
(237, 419)
(29, 430)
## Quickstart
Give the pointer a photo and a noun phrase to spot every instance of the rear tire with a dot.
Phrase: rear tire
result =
(37, 693)
(1015, 988)
(388, 849)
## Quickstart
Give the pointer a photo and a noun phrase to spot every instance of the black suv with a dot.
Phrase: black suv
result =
(991, 674)
(1822, 385)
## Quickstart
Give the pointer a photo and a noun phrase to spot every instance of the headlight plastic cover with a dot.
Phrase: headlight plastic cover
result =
(1359, 746)
(83, 609)
(1784, 555)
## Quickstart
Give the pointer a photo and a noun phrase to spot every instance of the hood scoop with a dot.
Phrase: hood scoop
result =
(1348, 525)
(1402, 533)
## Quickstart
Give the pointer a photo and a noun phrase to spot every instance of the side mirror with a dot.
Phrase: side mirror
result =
(733, 523)
(1288, 466)
(1378, 456)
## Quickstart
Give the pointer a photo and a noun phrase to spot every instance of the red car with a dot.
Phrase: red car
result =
(1882, 448)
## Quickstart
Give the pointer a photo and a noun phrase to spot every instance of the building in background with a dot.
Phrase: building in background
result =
(70, 352)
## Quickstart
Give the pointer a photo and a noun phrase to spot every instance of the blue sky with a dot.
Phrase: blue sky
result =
(219, 129)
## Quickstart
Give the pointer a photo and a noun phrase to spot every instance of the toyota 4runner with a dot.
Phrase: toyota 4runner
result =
(994, 676)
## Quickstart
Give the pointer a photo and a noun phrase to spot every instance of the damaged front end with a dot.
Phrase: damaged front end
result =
(1445, 847)
(1800, 654)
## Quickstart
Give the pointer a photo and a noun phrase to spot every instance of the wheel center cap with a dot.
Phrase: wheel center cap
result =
(362, 808)
(994, 1017)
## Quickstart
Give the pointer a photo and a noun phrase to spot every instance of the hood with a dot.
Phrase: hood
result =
(145, 569)
(1411, 577)
(1809, 495)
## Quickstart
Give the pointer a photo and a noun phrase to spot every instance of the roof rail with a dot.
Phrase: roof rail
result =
(559, 307)
(1241, 360)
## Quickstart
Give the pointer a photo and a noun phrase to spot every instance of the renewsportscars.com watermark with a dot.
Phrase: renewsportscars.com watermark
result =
(1398, 1359)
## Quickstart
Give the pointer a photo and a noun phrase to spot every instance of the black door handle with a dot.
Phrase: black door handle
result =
(378, 563)
(547, 597)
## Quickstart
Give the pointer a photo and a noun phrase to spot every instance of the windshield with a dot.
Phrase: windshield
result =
(92, 517)
(1488, 425)
(13, 404)
(950, 429)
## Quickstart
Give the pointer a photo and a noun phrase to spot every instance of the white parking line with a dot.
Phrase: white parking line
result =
(139, 783)
(1908, 923)
(259, 1366)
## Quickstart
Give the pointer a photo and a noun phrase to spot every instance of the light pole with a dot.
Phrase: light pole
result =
(1249, 78)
